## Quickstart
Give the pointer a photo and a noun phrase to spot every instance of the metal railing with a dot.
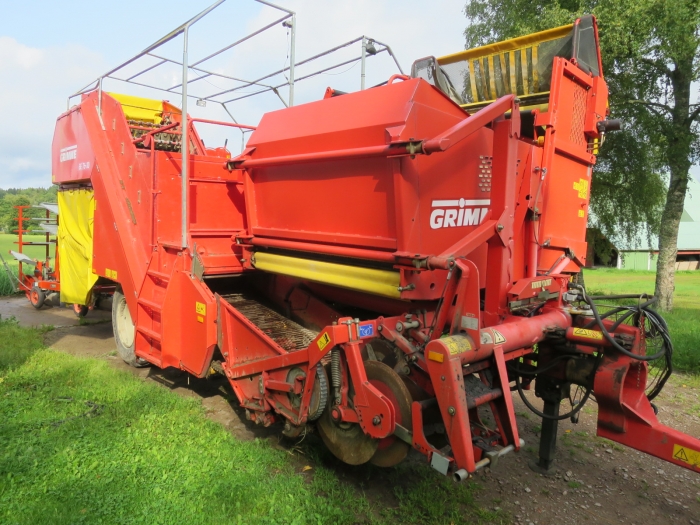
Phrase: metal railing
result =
(265, 83)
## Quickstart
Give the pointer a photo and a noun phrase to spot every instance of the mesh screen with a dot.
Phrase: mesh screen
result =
(523, 71)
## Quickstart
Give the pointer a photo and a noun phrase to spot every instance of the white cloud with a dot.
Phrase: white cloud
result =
(12, 53)
(34, 84)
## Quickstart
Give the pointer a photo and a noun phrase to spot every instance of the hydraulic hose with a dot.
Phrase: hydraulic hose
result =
(610, 339)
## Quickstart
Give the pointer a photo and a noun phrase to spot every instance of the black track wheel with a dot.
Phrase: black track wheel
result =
(391, 450)
(37, 297)
(319, 394)
(125, 331)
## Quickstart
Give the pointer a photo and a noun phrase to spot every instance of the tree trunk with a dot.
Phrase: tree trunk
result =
(668, 240)
(678, 150)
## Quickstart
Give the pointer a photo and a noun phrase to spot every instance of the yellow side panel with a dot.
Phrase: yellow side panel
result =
(370, 280)
(76, 211)
(138, 108)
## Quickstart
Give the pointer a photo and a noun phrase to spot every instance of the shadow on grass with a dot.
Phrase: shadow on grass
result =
(17, 344)
(149, 456)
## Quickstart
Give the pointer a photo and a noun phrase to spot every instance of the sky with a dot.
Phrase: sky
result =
(51, 49)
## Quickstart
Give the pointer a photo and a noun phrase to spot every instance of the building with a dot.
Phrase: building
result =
(643, 255)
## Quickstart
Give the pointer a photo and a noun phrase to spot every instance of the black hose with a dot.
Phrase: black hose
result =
(529, 405)
(657, 322)
(614, 343)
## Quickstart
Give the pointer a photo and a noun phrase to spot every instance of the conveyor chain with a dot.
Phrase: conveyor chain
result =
(289, 335)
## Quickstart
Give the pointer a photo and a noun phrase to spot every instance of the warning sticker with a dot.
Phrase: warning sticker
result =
(581, 213)
(201, 308)
(498, 338)
(582, 188)
(590, 334)
(686, 455)
(457, 345)
(323, 341)
(541, 284)
(111, 274)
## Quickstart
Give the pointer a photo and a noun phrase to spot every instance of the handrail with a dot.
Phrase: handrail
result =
(440, 143)
(153, 132)
(222, 123)
(471, 124)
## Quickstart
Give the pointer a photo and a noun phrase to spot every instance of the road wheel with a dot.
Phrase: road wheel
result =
(37, 297)
(80, 310)
(124, 331)
(391, 450)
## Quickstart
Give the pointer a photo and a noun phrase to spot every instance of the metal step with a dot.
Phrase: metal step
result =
(478, 393)
(289, 335)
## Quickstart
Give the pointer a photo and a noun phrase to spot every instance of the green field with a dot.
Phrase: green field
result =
(683, 322)
(7, 243)
(81, 442)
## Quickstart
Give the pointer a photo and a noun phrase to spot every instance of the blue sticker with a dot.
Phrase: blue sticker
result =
(366, 330)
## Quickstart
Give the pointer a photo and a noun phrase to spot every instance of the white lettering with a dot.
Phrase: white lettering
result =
(453, 213)
(436, 219)
(450, 216)
(471, 217)
(68, 153)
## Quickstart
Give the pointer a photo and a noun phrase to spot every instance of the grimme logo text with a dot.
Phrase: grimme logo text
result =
(458, 212)
(69, 153)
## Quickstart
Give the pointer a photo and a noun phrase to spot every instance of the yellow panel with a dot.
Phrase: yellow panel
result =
(492, 79)
(535, 76)
(139, 108)
(523, 67)
(75, 232)
(472, 81)
(379, 282)
(507, 45)
(513, 73)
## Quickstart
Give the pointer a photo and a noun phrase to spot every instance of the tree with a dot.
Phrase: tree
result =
(650, 58)
(15, 197)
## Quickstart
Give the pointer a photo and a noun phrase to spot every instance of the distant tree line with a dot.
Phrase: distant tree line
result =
(24, 196)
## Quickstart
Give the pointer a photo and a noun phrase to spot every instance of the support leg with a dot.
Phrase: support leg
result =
(552, 394)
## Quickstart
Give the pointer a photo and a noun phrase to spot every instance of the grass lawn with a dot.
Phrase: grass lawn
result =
(683, 322)
(81, 442)
(7, 243)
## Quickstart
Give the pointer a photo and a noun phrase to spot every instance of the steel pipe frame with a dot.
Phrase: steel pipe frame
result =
(184, 30)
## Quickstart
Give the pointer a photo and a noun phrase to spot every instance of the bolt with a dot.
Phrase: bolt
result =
(499, 227)
(399, 327)
(376, 421)
(380, 328)
(442, 378)
(451, 411)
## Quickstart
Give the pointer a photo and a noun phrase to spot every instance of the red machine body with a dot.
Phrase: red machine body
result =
(370, 262)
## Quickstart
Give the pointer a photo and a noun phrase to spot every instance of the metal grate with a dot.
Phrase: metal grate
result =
(578, 116)
(289, 335)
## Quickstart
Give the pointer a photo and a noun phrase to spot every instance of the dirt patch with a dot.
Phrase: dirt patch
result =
(596, 481)
(49, 315)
